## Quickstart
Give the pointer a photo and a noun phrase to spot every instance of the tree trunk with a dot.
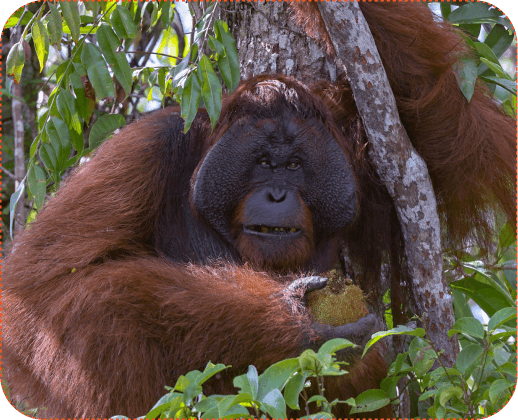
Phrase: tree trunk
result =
(19, 157)
(269, 42)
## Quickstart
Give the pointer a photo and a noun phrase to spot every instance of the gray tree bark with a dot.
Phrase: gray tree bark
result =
(19, 156)
(269, 42)
(398, 165)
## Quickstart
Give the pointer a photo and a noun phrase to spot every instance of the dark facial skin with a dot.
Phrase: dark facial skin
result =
(276, 189)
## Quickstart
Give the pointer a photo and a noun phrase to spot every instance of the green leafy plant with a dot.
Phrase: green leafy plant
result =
(283, 385)
(490, 33)
(92, 45)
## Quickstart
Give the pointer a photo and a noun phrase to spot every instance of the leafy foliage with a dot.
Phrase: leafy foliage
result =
(89, 54)
(489, 33)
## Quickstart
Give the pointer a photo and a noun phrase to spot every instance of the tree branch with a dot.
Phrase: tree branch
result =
(398, 165)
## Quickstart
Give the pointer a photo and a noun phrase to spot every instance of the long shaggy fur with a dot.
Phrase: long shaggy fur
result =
(97, 317)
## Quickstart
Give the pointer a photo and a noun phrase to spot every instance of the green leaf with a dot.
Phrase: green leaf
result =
(103, 127)
(253, 380)
(55, 25)
(489, 298)
(399, 364)
(190, 99)
(499, 40)
(123, 23)
(508, 85)
(474, 13)
(507, 236)
(466, 73)
(469, 326)
(34, 146)
(210, 89)
(231, 405)
(48, 156)
(210, 370)
(162, 77)
(109, 43)
(216, 46)
(273, 403)
(71, 15)
(154, 15)
(169, 45)
(370, 400)
(67, 109)
(319, 416)
(502, 316)
(228, 62)
(448, 393)
(15, 61)
(82, 102)
(498, 387)
(41, 42)
(460, 304)
(93, 6)
(63, 72)
(485, 52)
(164, 404)
(309, 362)
(12, 204)
(508, 369)
(97, 71)
(399, 330)
(37, 182)
(469, 358)
(445, 10)
(206, 404)
(317, 398)
(15, 18)
(276, 376)
(59, 137)
(167, 13)
(333, 345)
(293, 389)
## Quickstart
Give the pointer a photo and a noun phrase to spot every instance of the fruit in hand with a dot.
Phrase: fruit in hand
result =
(340, 302)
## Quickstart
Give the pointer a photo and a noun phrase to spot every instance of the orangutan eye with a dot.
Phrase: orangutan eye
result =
(293, 165)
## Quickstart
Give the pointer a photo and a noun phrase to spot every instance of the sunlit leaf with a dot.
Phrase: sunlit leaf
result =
(41, 42)
(15, 18)
(15, 61)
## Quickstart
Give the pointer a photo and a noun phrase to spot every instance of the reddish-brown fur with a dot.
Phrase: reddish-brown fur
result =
(96, 320)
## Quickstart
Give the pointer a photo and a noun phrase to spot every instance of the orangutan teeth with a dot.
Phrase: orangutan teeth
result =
(272, 229)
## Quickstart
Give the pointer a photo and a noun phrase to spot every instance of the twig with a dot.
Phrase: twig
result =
(10, 174)
(149, 53)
